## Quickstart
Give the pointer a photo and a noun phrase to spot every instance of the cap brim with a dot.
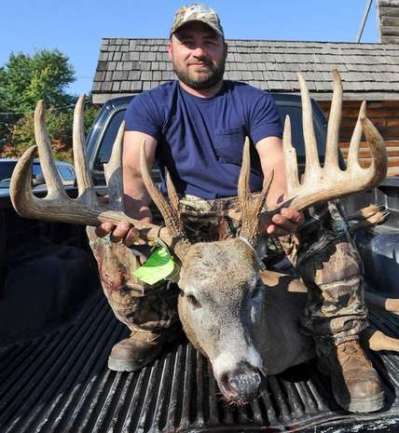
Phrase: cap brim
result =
(216, 29)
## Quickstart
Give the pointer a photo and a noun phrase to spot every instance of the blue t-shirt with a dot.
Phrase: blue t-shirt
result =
(200, 140)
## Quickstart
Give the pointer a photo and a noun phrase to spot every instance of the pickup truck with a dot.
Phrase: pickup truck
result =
(56, 331)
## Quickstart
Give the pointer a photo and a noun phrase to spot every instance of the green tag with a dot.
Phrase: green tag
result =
(158, 266)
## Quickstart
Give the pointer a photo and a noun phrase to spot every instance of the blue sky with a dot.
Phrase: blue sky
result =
(76, 27)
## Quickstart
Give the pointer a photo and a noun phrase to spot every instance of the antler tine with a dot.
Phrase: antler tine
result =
(179, 241)
(321, 184)
(312, 157)
(243, 180)
(83, 178)
(334, 121)
(113, 172)
(377, 170)
(250, 206)
(290, 158)
(172, 194)
(353, 153)
(379, 160)
(53, 181)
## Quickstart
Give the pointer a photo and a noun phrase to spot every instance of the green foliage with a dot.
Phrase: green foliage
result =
(59, 126)
(26, 79)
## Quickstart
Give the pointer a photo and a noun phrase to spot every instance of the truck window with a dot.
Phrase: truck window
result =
(285, 107)
(66, 173)
(108, 139)
(6, 169)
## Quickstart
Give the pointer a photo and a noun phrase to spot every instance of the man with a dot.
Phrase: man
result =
(195, 127)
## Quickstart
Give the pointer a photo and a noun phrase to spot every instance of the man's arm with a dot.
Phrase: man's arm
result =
(136, 198)
(270, 150)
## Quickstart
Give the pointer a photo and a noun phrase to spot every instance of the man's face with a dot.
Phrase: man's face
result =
(198, 55)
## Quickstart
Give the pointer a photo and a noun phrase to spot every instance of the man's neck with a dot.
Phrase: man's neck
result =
(203, 93)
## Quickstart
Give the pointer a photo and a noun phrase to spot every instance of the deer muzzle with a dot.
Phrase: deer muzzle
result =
(241, 385)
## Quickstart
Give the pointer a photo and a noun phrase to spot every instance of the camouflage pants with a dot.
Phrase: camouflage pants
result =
(329, 264)
(321, 254)
(137, 305)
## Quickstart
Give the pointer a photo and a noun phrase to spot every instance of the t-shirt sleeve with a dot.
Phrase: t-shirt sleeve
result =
(143, 115)
(264, 119)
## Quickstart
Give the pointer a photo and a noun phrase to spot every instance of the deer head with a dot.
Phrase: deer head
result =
(222, 297)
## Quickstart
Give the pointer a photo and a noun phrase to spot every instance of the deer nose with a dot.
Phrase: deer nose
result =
(242, 384)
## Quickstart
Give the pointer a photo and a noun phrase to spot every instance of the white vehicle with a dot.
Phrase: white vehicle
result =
(7, 165)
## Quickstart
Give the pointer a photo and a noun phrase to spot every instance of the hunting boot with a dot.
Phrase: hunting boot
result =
(137, 351)
(355, 383)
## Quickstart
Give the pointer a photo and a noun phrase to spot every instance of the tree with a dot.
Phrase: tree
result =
(59, 127)
(26, 79)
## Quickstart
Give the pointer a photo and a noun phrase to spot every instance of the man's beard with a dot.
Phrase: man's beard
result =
(215, 75)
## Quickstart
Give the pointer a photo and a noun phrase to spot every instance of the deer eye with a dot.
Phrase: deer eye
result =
(193, 301)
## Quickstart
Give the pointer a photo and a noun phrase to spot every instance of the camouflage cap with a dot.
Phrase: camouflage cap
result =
(197, 12)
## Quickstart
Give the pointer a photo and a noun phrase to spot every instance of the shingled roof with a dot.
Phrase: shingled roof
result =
(388, 13)
(127, 66)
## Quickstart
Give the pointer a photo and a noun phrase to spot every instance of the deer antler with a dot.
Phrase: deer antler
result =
(321, 184)
(169, 212)
(86, 209)
(250, 205)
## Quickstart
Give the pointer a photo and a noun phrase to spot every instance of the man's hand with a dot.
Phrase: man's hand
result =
(136, 199)
(122, 232)
(284, 223)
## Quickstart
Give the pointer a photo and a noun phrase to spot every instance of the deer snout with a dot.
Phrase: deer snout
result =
(242, 384)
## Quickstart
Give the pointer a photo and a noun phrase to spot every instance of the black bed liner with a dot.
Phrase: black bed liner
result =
(59, 383)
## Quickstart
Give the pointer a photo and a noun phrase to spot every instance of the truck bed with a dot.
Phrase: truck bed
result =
(58, 382)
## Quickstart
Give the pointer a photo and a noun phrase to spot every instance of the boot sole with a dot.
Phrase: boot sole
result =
(122, 365)
(365, 405)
